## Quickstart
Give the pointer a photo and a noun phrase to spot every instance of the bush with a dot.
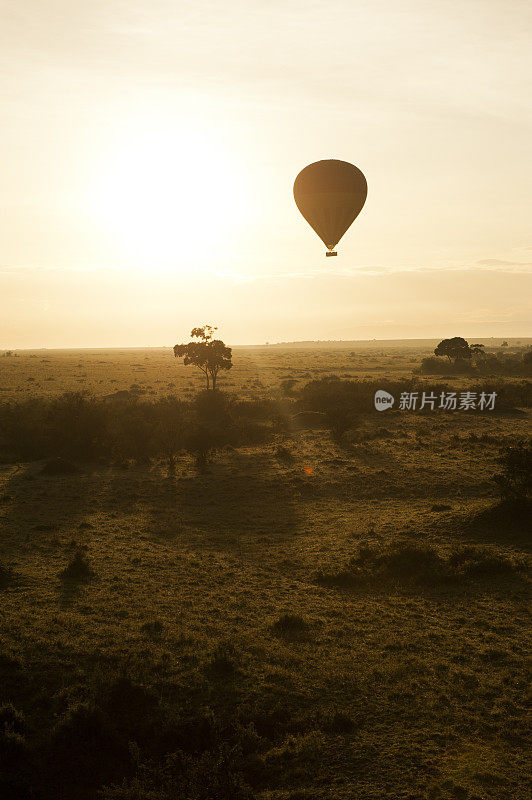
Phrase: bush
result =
(339, 723)
(344, 399)
(224, 662)
(215, 775)
(213, 408)
(509, 365)
(84, 749)
(340, 419)
(122, 427)
(59, 466)
(153, 629)
(252, 434)
(409, 564)
(16, 767)
(131, 790)
(332, 397)
(82, 428)
(124, 696)
(5, 576)
(11, 719)
(515, 480)
(284, 455)
(258, 409)
(478, 562)
(78, 570)
(401, 562)
(434, 365)
(290, 625)
(134, 712)
(202, 441)
(287, 386)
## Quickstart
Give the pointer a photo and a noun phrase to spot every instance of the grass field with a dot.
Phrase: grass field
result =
(257, 370)
(312, 618)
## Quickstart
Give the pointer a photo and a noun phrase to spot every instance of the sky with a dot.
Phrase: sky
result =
(149, 149)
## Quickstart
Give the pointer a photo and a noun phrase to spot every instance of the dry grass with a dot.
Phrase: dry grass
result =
(203, 598)
(150, 372)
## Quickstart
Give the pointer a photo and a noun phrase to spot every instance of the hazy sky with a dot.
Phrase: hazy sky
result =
(149, 148)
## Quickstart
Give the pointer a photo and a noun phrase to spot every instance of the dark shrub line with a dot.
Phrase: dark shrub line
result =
(410, 564)
(80, 427)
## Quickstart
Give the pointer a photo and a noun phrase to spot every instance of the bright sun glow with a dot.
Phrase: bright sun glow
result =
(172, 199)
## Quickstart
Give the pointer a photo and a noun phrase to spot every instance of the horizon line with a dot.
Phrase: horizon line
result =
(515, 339)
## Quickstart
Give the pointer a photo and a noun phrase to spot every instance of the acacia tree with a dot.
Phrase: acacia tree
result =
(455, 349)
(207, 354)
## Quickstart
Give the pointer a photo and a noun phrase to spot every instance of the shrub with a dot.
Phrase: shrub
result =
(134, 435)
(214, 775)
(340, 419)
(284, 455)
(287, 386)
(59, 466)
(515, 480)
(134, 713)
(11, 719)
(480, 562)
(131, 790)
(224, 662)
(339, 398)
(509, 365)
(340, 722)
(251, 433)
(217, 776)
(202, 441)
(78, 425)
(85, 749)
(5, 576)
(410, 564)
(400, 562)
(213, 407)
(153, 629)
(290, 625)
(123, 426)
(434, 365)
(169, 427)
(16, 768)
(78, 570)
(258, 409)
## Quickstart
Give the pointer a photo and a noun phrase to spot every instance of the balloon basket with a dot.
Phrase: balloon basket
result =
(330, 253)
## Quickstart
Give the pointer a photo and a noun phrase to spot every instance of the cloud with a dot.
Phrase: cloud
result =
(496, 262)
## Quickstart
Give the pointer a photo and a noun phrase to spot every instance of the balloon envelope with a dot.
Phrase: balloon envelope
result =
(330, 195)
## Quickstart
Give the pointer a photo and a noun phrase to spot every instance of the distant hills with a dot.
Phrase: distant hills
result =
(366, 344)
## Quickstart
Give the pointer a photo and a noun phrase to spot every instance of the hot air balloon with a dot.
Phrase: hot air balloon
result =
(330, 195)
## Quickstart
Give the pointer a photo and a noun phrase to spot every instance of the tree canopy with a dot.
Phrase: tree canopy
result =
(455, 348)
(207, 354)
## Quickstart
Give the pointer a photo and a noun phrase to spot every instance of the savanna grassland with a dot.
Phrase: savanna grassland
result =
(330, 602)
